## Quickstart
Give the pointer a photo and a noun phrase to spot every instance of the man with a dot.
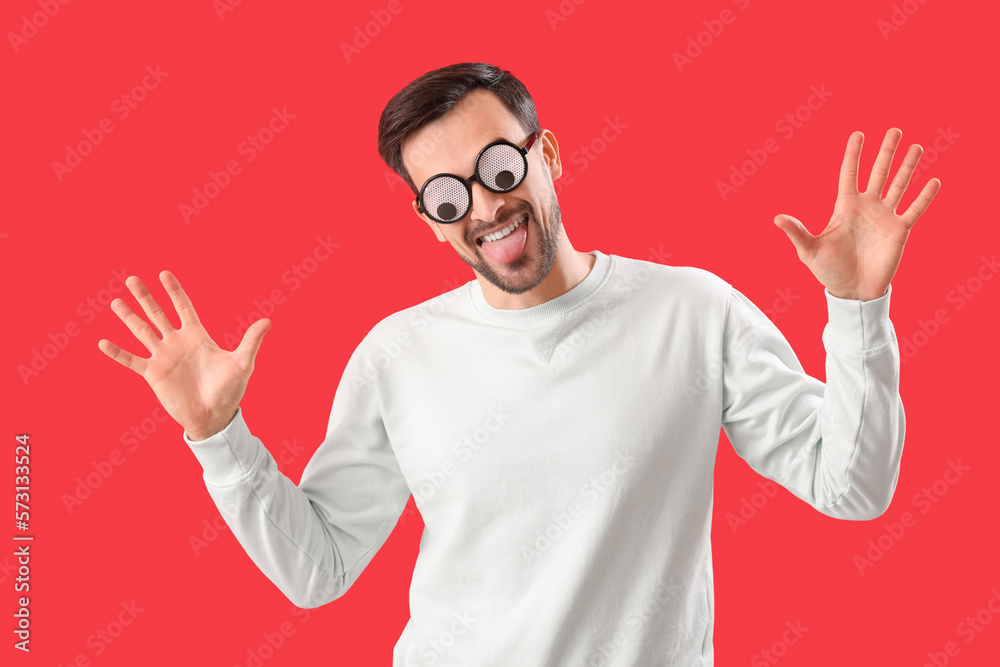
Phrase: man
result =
(556, 419)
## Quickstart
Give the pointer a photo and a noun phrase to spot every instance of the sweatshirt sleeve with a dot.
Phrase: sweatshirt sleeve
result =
(837, 445)
(312, 540)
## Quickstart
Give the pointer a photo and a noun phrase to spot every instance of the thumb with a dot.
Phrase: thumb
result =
(254, 336)
(797, 233)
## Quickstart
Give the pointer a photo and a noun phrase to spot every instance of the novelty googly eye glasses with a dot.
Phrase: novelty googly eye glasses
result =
(500, 167)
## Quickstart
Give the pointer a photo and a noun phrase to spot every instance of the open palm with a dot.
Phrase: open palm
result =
(199, 384)
(857, 255)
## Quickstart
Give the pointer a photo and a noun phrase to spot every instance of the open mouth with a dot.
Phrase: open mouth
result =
(523, 220)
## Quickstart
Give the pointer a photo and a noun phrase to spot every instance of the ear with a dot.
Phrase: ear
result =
(430, 223)
(550, 154)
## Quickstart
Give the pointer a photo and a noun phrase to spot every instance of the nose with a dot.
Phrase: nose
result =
(484, 206)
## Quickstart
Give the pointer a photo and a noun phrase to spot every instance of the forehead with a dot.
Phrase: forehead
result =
(452, 142)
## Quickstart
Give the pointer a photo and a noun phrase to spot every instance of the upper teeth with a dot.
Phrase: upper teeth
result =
(503, 232)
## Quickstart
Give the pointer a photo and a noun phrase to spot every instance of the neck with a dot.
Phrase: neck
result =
(569, 268)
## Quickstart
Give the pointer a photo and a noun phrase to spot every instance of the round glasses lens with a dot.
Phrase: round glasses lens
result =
(502, 167)
(446, 199)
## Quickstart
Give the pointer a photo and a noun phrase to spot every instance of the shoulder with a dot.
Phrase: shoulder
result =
(401, 328)
(684, 283)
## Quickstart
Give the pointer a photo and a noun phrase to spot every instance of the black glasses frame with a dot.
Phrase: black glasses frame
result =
(467, 182)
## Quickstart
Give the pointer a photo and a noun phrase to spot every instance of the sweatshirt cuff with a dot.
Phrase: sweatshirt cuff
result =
(227, 455)
(858, 325)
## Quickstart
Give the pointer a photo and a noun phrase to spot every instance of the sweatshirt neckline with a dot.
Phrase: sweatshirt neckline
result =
(520, 317)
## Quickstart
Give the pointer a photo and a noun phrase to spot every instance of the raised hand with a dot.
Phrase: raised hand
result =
(856, 256)
(199, 384)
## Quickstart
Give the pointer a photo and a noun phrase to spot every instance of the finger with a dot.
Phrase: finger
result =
(248, 347)
(126, 359)
(182, 304)
(880, 171)
(135, 324)
(902, 178)
(921, 203)
(849, 170)
(797, 234)
(152, 309)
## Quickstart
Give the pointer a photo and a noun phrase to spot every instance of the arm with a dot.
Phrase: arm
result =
(312, 540)
(835, 446)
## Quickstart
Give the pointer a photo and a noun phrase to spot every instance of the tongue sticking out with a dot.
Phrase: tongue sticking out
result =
(507, 249)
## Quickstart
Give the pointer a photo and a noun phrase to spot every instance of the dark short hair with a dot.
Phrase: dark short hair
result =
(433, 94)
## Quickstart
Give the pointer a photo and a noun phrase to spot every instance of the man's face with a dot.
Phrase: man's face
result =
(451, 144)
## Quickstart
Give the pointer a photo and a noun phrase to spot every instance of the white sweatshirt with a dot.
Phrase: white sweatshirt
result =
(562, 459)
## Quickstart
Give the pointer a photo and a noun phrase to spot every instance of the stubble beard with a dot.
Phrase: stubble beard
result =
(529, 269)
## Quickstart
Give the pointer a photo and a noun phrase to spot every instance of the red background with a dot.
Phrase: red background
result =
(653, 188)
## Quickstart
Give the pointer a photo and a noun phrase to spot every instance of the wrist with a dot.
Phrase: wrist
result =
(858, 296)
(198, 437)
(216, 427)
